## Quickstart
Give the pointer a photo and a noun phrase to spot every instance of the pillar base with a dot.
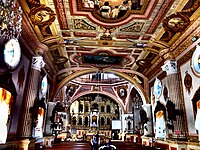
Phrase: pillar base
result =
(48, 141)
(23, 144)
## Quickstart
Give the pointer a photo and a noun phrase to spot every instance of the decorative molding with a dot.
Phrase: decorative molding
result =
(82, 34)
(77, 11)
(160, 14)
(83, 25)
(188, 82)
(132, 36)
(135, 27)
(43, 17)
(179, 46)
(175, 23)
(61, 12)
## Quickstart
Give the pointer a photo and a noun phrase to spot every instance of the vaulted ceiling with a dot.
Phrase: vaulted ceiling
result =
(82, 34)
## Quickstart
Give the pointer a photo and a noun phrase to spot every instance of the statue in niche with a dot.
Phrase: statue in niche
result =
(86, 121)
(197, 120)
(160, 125)
(94, 120)
(129, 125)
(5, 105)
(102, 121)
(74, 120)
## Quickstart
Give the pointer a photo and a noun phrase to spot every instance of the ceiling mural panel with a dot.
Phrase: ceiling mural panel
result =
(136, 31)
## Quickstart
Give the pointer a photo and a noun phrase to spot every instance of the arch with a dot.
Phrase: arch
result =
(137, 86)
(103, 93)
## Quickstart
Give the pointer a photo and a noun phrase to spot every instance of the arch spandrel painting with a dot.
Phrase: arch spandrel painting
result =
(112, 11)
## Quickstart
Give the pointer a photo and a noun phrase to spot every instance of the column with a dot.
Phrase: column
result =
(48, 129)
(148, 127)
(25, 127)
(170, 67)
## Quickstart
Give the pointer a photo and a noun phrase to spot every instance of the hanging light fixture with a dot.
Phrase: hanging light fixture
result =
(10, 19)
(98, 98)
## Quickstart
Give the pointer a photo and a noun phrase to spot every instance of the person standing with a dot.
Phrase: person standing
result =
(95, 142)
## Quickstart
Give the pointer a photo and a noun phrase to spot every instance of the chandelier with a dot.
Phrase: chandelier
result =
(98, 98)
(10, 19)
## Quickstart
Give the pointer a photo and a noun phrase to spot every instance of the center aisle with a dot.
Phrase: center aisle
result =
(86, 146)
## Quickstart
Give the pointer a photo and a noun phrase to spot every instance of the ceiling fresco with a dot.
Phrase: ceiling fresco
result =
(130, 33)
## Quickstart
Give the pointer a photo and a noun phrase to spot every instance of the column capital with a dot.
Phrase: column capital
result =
(170, 67)
(166, 54)
(37, 63)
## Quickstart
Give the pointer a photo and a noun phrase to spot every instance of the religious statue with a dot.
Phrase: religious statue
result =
(5, 103)
(160, 125)
(197, 121)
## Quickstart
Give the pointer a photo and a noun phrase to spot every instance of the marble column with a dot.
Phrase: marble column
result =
(48, 129)
(148, 127)
(25, 127)
(170, 67)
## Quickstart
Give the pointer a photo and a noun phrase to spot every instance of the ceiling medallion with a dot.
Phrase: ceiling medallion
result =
(175, 23)
(195, 62)
(112, 11)
(106, 35)
(122, 92)
(42, 16)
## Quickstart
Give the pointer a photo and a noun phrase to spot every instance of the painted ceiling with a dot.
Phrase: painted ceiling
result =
(126, 35)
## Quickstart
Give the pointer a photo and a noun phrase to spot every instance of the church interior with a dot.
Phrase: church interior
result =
(127, 70)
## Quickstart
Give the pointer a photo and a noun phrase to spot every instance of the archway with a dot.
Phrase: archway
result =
(136, 85)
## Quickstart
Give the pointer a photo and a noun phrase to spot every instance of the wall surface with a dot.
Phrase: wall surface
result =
(189, 95)
(19, 76)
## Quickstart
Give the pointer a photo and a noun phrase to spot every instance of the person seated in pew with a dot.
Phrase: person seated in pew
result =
(107, 145)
